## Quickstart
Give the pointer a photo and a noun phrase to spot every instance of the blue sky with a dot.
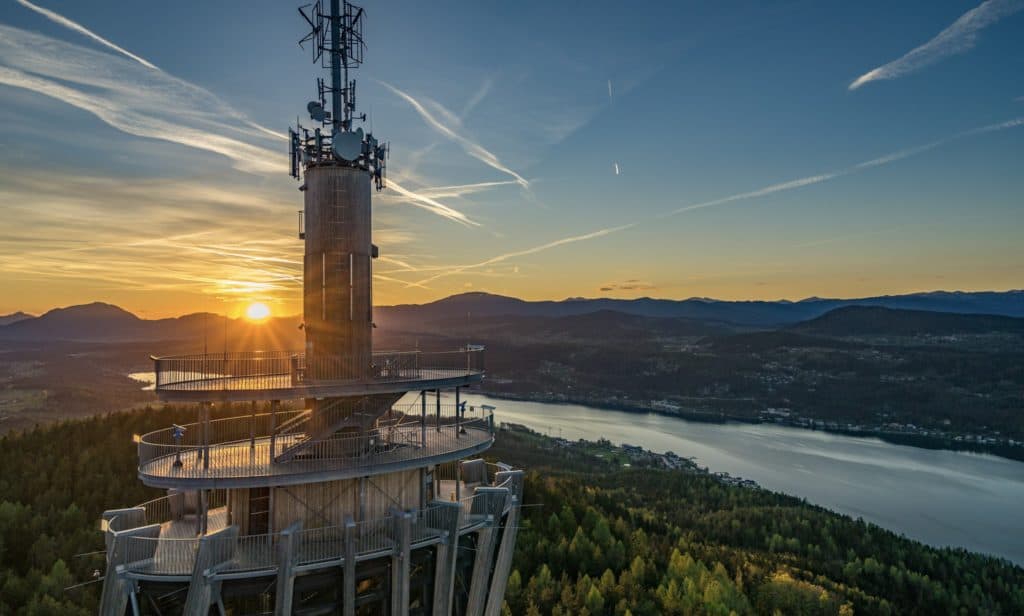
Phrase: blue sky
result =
(542, 150)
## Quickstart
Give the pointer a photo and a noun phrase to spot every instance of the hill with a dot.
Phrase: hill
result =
(101, 322)
(877, 321)
(595, 537)
(14, 317)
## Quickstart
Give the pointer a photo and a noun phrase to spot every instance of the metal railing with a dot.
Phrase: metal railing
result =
(247, 445)
(174, 556)
(272, 370)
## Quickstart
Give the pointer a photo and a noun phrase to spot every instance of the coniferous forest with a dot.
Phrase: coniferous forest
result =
(595, 537)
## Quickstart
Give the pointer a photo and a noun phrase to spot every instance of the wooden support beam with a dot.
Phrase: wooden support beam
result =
(489, 502)
(348, 590)
(447, 556)
(287, 545)
(400, 562)
(503, 563)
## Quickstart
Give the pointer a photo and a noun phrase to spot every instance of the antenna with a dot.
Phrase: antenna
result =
(336, 40)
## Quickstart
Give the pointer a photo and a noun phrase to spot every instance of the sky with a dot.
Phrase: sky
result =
(545, 150)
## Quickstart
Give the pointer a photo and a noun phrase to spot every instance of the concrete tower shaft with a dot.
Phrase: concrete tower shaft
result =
(337, 306)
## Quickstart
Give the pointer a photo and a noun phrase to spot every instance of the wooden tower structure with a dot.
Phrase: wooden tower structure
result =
(355, 503)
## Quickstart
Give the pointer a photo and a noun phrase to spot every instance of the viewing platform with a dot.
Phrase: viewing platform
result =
(160, 540)
(276, 449)
(283, 375)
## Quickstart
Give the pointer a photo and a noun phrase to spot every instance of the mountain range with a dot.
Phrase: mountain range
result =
(760, 314)
(100, 322)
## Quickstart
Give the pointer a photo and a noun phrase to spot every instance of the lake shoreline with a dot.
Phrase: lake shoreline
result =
(1015, 454)
(941, 497)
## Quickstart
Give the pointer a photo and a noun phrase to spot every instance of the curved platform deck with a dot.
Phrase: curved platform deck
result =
(281, 387)
(249, 463)
(240, 377)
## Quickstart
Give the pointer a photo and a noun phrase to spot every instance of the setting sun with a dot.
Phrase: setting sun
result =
(257, 311)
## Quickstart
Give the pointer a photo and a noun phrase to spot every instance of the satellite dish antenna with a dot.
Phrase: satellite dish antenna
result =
(347, 145)
(316, 111)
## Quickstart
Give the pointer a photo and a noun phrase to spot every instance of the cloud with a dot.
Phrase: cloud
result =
(868, 164)
(451, 271)
(478, 96)
(459, 190)
(431, 205)
(134, 98)
(753, 194)
(956, 39)
(627, 285)
(67, 23)
(449, 130)
(97, 234)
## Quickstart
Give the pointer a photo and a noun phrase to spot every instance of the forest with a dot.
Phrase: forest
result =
(595, 537)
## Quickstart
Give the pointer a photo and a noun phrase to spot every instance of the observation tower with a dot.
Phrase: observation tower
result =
(368, 500)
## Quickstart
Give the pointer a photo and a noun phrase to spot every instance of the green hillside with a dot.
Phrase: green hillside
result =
(596, 537)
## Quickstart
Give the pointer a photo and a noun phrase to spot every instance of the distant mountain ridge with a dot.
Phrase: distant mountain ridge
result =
(14, 317)
(745, 313)
(99, 321)
(102, 322)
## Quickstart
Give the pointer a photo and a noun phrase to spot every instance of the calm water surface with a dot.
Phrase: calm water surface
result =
(943, 498)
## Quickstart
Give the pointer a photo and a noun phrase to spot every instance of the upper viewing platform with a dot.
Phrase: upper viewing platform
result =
(282, 375)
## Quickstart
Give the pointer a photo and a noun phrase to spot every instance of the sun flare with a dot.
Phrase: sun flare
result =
(257, 311)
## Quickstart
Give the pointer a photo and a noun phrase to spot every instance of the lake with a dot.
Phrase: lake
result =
(942, 498)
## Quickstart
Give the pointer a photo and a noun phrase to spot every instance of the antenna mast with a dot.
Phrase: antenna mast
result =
(336, 39)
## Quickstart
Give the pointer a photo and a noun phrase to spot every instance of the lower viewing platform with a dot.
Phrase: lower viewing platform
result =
(162, 539)
(281, 375)
(281, 449)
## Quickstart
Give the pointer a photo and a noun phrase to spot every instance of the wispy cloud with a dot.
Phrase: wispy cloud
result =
(957, 38)
(478, 97)
(133, 98)
(450, 128)
(753, 194)
(632, 284)
(458, 269)
(831, 175)
(77, 27)
(124, 241)
(431, 205)
(460, 190)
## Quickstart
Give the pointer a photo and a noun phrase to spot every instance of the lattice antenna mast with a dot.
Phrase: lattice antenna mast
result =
(336, 39)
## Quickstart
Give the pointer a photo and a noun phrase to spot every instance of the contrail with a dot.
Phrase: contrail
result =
(440, 192)
(824, 177)
(131, 97)
(753, 194)
(521, 253)
(957, 38)
(432, 205)
(473, 149)
(77, 27)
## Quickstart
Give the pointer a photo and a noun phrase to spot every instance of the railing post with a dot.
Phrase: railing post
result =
(458, 414)
(274, 405)
(423, 419)
(438, 420)
(252, 427)
(206, 436)
(348, 593)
